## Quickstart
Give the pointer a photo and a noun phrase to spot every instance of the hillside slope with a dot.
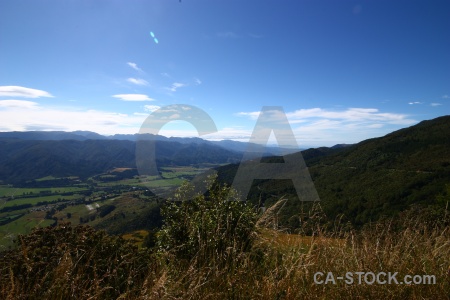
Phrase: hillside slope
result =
(365, 181)
(22, 160)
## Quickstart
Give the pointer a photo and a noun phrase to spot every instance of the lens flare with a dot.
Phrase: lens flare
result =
(154, 38)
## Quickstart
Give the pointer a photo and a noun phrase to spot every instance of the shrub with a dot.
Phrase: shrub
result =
(211, 228)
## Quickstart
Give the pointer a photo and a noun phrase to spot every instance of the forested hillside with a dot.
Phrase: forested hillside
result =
(365, 181)
(22, 160)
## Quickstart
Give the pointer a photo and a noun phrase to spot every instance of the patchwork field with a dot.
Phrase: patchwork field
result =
(93, 201)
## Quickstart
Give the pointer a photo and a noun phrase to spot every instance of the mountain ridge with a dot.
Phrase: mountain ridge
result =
(368, 180)
(80, 135)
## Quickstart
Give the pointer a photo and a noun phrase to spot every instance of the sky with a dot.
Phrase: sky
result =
(341, 71)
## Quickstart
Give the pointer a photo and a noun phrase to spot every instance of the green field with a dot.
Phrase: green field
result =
(9, 191)
(171, 177)
(34, 201)
(128, 205)
(23, 225)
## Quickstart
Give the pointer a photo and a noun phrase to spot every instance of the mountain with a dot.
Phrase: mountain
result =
(242, 147)
(35, 154)
(358, 183)
(22, 160)
(365, 181)
(89, 135)
(341, 146)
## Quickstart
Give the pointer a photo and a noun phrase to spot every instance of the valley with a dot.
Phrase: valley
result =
(381, 200)
(357, 184)
(92, 201)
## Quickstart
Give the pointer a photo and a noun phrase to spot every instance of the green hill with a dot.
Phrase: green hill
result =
(22, 160)
(365, 181)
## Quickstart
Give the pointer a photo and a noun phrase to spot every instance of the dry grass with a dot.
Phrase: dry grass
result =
(280, 266)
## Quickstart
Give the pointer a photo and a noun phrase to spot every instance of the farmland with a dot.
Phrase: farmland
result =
(120, 192)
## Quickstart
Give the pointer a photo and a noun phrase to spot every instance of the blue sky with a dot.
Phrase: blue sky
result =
(343, 71)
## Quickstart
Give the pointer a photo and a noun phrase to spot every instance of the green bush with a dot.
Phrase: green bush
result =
(213, 227)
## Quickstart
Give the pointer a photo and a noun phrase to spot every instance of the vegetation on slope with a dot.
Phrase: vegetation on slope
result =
(367, 181)
(207, 251)
(25, 160)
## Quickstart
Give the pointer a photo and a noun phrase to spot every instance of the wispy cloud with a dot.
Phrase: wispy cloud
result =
(375, 125)
(176, 85)
(19, 91)
(133, 97)
(348, 115)
(414, 103)
(18, 104)
(445, 97)
(27, 115)
(322, 127)
(197, 81)
(137, 81)
(435, 104)
(352, 115)
(151, 108)
(134, 66)
(252, 115)
(230, 133)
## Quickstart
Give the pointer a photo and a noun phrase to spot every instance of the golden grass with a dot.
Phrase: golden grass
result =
(136, 237)
(119, 170)
(280, 266)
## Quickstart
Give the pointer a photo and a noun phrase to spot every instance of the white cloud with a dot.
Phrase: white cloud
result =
(435, 104)
(445, 97)
(151, 108)
(137, 81)
(186, 132)
(19, 91)
(23, 117)
(352, 115)
(253, 115)
(230, 133)
(18, 104)
(133, 97)
(134, 66)
(412, 103)
(323, 127)
(175, 86)
(311, 127)
(348, 115)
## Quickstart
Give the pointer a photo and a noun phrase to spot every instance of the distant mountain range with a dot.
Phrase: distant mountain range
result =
(358, 183)
(35, 154)
(88, 135)
(22, 160)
